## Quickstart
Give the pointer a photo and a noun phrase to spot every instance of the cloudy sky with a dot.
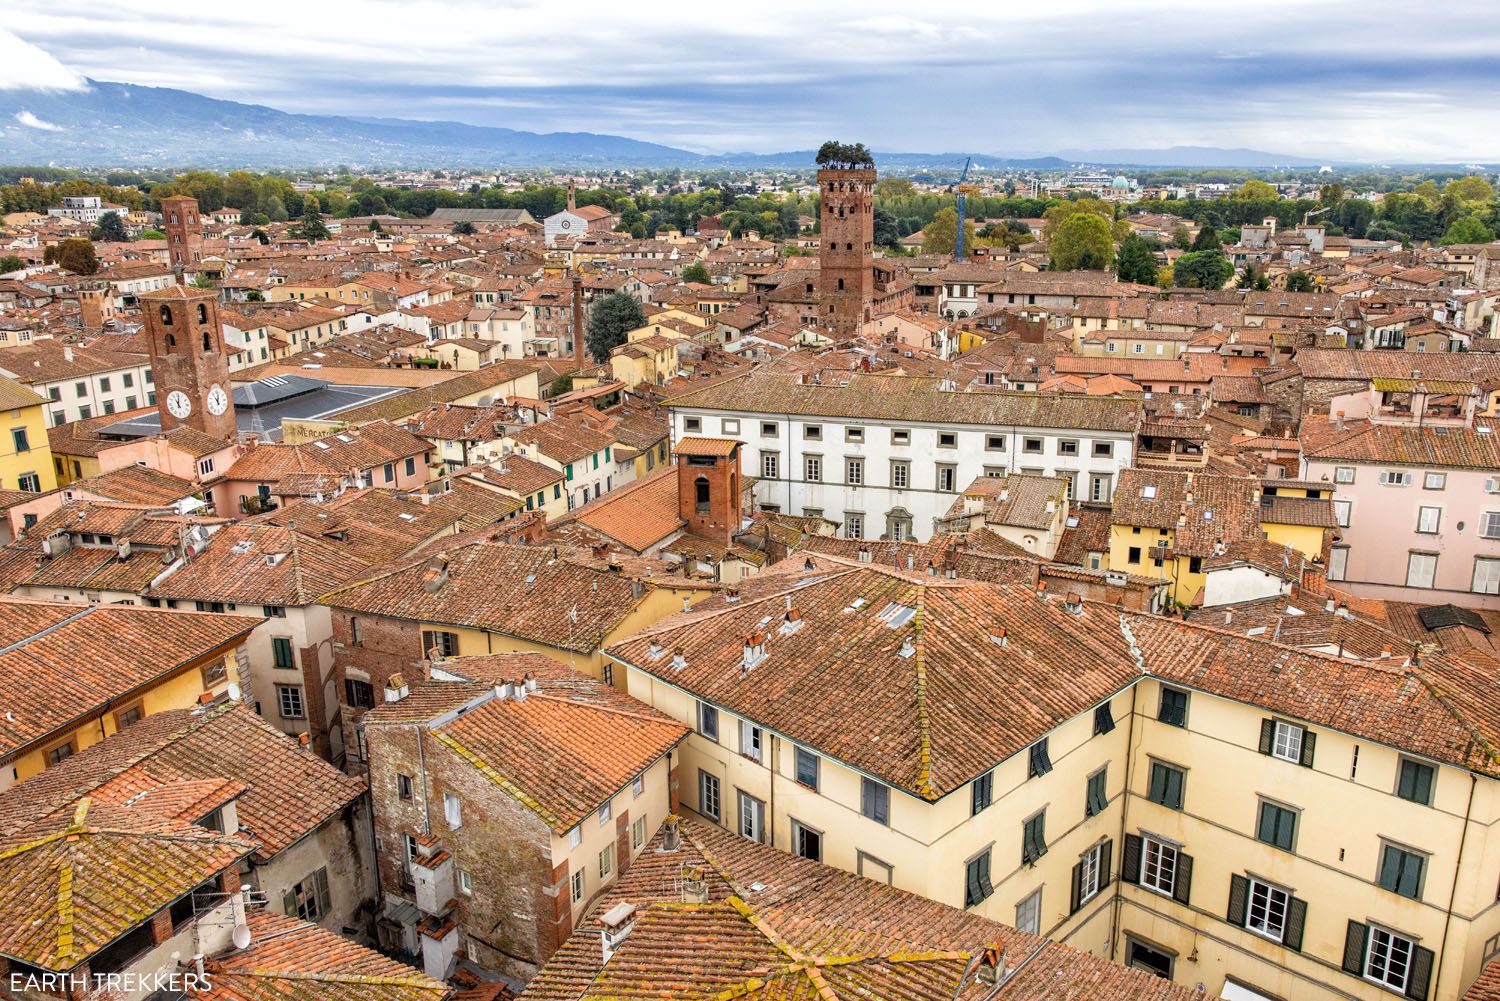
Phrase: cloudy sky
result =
(1351, 79)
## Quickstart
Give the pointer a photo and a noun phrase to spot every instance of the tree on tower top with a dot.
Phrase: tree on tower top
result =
(843, 156)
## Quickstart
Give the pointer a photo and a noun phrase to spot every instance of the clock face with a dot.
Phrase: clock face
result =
(218, 400)
(178, 404)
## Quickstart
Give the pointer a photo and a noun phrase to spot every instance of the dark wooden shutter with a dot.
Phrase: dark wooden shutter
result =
(1296, 921)
(1130, 860)
(1239, 894)
(1077, 891)
(1267, 735)
(1182, 884)
(1421, 975)
(289, 903)
(1309, 740)
(1104, 861)
(1354, 948)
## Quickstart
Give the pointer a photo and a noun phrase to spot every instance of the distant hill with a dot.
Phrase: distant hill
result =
(116, 124)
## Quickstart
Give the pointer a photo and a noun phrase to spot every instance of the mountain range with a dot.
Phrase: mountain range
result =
(124, 125)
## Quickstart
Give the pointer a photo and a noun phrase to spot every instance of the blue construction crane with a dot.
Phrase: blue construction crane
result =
(963, 190)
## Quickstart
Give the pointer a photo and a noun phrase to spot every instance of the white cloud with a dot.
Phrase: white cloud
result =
(29, 120)
(24, 66)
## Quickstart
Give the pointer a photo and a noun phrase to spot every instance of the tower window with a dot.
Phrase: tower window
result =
(700, 489)
(841, 284)
(171, 341)
(207, 343)
(202, 313)
(166, 316)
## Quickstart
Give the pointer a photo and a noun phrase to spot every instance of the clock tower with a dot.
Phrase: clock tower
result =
(189, 363)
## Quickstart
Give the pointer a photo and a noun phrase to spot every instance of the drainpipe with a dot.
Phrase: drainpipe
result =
(1114, 929)
(771, 806)
(1453, 890)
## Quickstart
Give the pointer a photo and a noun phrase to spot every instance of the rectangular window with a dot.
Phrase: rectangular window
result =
(1104, 719)
(1338, 562)
(289, 701)
(1103, 449)
(1341, 512)
(752, 818)
(605, 812)
(947, 478)
(900, 436)
(575, 836)
(752, 740)
(1277, 826)
(807, 768)
(309, 899)
(708, 795)
(769, 429)
(411, 466)
(692, 425)
(1414, 782)
(875, 800)
(606, 862)
(638, 833)
(812, 432)
(1343, 474)
(854, 472)
(807, 841)
(1486, 576)
(770, 465)
(453, 811)
(60, 753)
(947, 439)
(994, 443)
(1389, 959)
(359, 694)
(1091, 874)
(856, 435)
(1401, 871)
(1395, 477)
(439, 643)
(977, 886)
(1489, 524)
(1434, 481)
(1039, 762)
(1286, 741)
(1032, 446)
(1173, 708)
(813, 466)
(708, 721)
(389, 471)
(1100, 485)
(1158, 866)
(1067, 446)
(281, 651)
(20, 440)
(403, 787)
(1034, 838)
(1029, 914)
(981, 793)
(1166, 785)
(854, 526)
(900, 474)
(1428, 519)
(1267, 908)
(1421, 568)
(1096, 797)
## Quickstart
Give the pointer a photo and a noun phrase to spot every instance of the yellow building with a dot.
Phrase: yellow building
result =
(649, 361)
(71, 675)
(1224, 811)
(1175, 526)
(25, 456)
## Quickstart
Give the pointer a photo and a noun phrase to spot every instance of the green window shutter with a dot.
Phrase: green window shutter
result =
(1421, 975)
(1355, 939)
(1130, 860)
(1296, 921)
(1182, 886)
(1309, 740)
(289, 903)
(325, 902)
(1239, 894)
(1390, 866)
(1267, 735)
(1104, 861)
(1077, 889)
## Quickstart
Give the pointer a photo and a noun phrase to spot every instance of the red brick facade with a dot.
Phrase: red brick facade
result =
(846, 262)
(708, 495)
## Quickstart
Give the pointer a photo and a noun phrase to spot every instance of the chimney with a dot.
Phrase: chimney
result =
(679, 659)
(1328, 605)
(671, 833)
(989, 965)
(998, 636)
(67, 353)
(654, 651)
(864, 553)
(694, 885)
(1074, 603)
(395, 688)
(303, 739)
(1338, 420)
(435, 576)
(618, 922)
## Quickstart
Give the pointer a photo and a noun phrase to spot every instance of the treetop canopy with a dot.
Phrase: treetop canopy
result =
(843, 156)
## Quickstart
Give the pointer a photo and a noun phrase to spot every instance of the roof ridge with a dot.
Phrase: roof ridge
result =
(924, 721)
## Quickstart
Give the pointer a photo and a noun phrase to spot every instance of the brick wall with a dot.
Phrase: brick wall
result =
(388, 646)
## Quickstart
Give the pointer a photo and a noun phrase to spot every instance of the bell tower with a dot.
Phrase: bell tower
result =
(846, 258)
(184, 228)
(189, 363)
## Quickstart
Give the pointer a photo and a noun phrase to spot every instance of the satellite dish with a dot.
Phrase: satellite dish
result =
(234, 691)
(241, 936)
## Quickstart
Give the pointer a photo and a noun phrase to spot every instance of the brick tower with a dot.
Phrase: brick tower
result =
(846, 262)
(96, 305)
(709, 487)
(189, 362)
(184, 228)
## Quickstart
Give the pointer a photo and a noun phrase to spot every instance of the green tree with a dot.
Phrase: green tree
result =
(696, 272)
(201, 280)
(1205, 269)
(1181, 238)
(1331, 194)
(255, 295)
(610, 319)
(9, 263)
(464, 228)
(275, 209)
(1208, 238)
(1135, 262)
(887, 233)
(1164, 278)
(1299, 281)
(1062, 211)
(1081, 242)
(111, 229)
(312, 228)
(1467, 229)
(939, 234)
(74, 254)
(1256, 190)
(152, 234)
(1470, 189)
(375, 226)
(563, 384)
(894, 187)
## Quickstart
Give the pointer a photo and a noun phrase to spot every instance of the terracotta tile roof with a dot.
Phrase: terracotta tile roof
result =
(286, 791)
(1399, 445)
(60, 661)
(925, 717)
(1487, 987)
(562, 440)
(517, 474)
(289, 958)
(706, 446)
(14, 396)
(1087, 532)
(779, 926)
(134, 485)
(912, 399)
(520, 591)
(70, 885)
(260, 564)
(1341, 363)
(1214, 508)
(562, 751)
(639, 515)
(345, 453)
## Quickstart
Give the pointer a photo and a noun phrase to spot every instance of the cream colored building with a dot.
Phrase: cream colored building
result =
(990, 747)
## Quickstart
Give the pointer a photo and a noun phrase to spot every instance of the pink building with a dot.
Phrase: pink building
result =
(1418, 505)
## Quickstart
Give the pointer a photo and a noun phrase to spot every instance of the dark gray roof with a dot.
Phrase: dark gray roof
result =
(506, 217)
(1441, 616)
(275, 388)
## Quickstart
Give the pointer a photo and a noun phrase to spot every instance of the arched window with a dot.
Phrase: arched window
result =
(171, 341)
(166, 315)
(208, 344)
(701, 494)
(202, 312)
(841, 284)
